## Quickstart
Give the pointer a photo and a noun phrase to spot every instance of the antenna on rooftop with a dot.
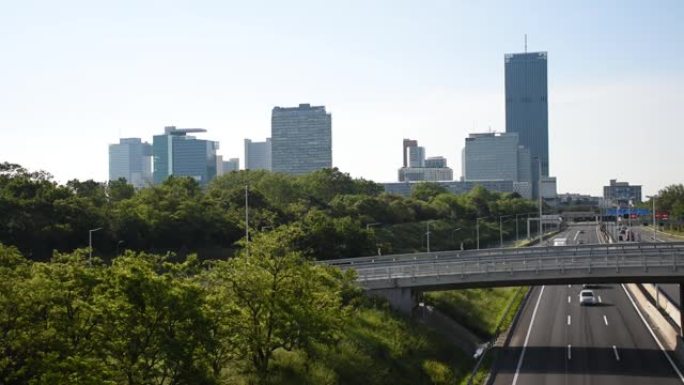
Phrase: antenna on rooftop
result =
(525, 43)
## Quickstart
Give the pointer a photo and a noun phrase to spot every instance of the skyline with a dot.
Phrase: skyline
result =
(81, 76)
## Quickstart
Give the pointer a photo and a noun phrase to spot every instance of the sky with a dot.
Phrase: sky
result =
(76, 76)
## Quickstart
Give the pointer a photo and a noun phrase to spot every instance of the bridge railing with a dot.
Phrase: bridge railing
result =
(617, 258)
(506, 253)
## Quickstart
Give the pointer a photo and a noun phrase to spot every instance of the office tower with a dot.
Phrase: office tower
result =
(131, 159)
(416, 157)
(495, 156)
(417, 168)
(301, 139)
(258, 155)
(230, 165)
(436, 162)
(527, 111)
(176, 153)
(622, 193)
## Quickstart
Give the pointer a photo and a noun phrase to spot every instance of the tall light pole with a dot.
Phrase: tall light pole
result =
(541, 232)
(477, 232)
(501, 217)
(247, 219)
(653, 199)
(90, 244)
(427, 234)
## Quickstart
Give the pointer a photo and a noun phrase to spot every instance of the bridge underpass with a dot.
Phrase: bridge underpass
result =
(402, 278)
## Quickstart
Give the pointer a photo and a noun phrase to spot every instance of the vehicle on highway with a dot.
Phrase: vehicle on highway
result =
(560, 242)
(581, 231)
(586, 297)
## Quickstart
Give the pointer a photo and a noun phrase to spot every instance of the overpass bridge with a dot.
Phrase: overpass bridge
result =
(400, 278)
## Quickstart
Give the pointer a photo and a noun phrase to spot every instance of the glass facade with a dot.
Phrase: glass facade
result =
(258, 155)
(527, 112)
(175, 153)
(131, 159)
(301, 139)
(495, 156)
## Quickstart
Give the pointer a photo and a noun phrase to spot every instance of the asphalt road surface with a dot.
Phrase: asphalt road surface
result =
(646, 233)
(557, 341)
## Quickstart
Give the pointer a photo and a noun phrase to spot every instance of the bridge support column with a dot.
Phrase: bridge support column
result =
(402, 299)
(681, 313)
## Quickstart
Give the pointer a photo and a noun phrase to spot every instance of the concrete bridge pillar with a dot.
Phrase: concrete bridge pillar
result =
(403, 299)
(681, 312)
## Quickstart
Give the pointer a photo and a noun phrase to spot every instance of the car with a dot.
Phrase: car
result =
(581, 231)
(586, 297)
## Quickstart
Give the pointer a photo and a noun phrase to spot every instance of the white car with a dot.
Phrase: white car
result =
(586, 297)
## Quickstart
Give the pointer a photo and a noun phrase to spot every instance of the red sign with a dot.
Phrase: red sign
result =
(663, 215)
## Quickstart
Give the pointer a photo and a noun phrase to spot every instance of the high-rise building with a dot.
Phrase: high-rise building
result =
(495, 156)
(527, 112)
(258, 155)
(131, 159)
(301, 139)
(417, 168)
(176, 153)
(230, 165)
(622, 193)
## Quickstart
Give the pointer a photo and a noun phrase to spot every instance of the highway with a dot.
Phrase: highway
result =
(646, 233)
(557, 341)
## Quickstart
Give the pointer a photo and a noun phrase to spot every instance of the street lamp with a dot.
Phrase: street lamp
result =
(369, 225)
(117, 247)
(90, 244)
(427, 234)
(653, 199)
(247, 219)
(501, 228)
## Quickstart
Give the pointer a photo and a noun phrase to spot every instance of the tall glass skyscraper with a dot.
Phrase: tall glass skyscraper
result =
(301, 139)
(527, 111)
(131, 159)
(176, 153)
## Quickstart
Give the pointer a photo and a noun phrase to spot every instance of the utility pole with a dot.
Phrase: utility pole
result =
(477, 231)
(428, 236)
(90, 244)
(501, 232)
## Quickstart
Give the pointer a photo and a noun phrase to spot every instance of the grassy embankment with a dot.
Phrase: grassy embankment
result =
(377, 347)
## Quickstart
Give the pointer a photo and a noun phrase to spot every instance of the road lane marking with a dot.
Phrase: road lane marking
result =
(605, 319)
(569, 298)
(568, 319)
(617, 356)
(576, 234)
(527, 338)
(600, 300)
(660, 345)
(569, 353)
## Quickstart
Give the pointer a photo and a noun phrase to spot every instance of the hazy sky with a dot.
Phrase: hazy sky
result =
(77, 75)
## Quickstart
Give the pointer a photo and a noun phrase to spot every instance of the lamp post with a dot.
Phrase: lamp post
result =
(427, 234)
(117, 246)
(90, 244)
(501, 217)
(653, 199)
(541, 223)
(477, 232)
(369, 225)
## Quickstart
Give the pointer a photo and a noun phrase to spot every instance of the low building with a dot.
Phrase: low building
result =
(455, 187)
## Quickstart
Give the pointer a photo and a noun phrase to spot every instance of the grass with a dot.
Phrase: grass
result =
(378, 346)
(480, 310)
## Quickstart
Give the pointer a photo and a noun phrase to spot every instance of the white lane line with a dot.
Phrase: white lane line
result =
(576, 234)
(527, 337)
(617, 356)
(605, 319)
(569, 352)
(660, 345)
(600, 300)
(569, 298)
(568, 319)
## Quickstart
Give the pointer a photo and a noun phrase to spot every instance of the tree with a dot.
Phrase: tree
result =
(277, 300)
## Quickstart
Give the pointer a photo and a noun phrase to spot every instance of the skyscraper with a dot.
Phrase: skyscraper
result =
(131, 159)
(176, 153)
(301, 139)
(258, 155)
(495, 156)
(527, 112)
